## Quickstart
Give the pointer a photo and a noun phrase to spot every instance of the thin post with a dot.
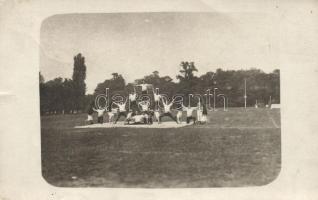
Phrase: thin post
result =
(214, 98)
(245, 96)
(227, 103)
(108, 106)
(190, 95)
(208, 99)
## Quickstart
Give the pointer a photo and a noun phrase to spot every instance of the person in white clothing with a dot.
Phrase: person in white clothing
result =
(156, 98)
(100, 114)
(111, 114)
(137, 119)
(157, 116)
(90, 113)
(133, 106)
(179, 116)
(167, 110)
(133, 96)
(204, 118)
(199, 112)
(189, 112)
(122, 110)
(144, 106)
(148, 114)
(144, 87)
(90, 119)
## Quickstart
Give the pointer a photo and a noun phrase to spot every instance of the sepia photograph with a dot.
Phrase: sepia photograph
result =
(159, 100)
(152, 100)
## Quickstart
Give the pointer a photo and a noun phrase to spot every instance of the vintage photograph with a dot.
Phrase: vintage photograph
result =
(160, 100)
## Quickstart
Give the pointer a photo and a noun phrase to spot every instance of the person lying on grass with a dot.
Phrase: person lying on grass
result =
(136, 118)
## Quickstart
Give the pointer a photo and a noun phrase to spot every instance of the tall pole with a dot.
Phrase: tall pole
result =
(214, 99)
(208, 99)
(108, 106)
(227, 103)
(224, 103)
(245, 97)
(190, 95)
(157, 102)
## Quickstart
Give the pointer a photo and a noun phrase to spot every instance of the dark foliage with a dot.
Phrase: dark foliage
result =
(68, 96)
(79, 86)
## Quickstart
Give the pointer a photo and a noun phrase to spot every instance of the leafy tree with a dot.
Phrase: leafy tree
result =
(43, 94)
(187, 71)
(274, 81)
(55, 95)
(79, 76)
(68, 96)
(165, 83)
(207, 79)
(116, 84)
(188, 83)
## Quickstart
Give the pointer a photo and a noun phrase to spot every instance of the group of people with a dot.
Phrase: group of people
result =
(143, 113)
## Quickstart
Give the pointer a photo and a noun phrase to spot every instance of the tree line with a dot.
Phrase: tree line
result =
(69, 95)
(64, 95)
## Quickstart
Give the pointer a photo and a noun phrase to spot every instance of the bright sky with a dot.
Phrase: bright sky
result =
(136, 44)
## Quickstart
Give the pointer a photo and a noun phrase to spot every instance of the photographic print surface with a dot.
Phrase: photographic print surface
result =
(160, 100)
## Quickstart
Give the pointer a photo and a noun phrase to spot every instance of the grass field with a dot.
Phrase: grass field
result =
(236, 148)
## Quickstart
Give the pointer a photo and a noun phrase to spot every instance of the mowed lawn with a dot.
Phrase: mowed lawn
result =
(236, 148)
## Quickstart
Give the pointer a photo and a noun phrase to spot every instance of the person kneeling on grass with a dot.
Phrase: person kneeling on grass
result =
(199, 112)
(156, 115)
(146, 112)
(204, 118)
(167, 111)
(111, 114)
(100, 114)
(122, 110)
(150, 116)
(90, 113)
(179, 115)
(130, 115)
(189, 111)
(144, 106)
